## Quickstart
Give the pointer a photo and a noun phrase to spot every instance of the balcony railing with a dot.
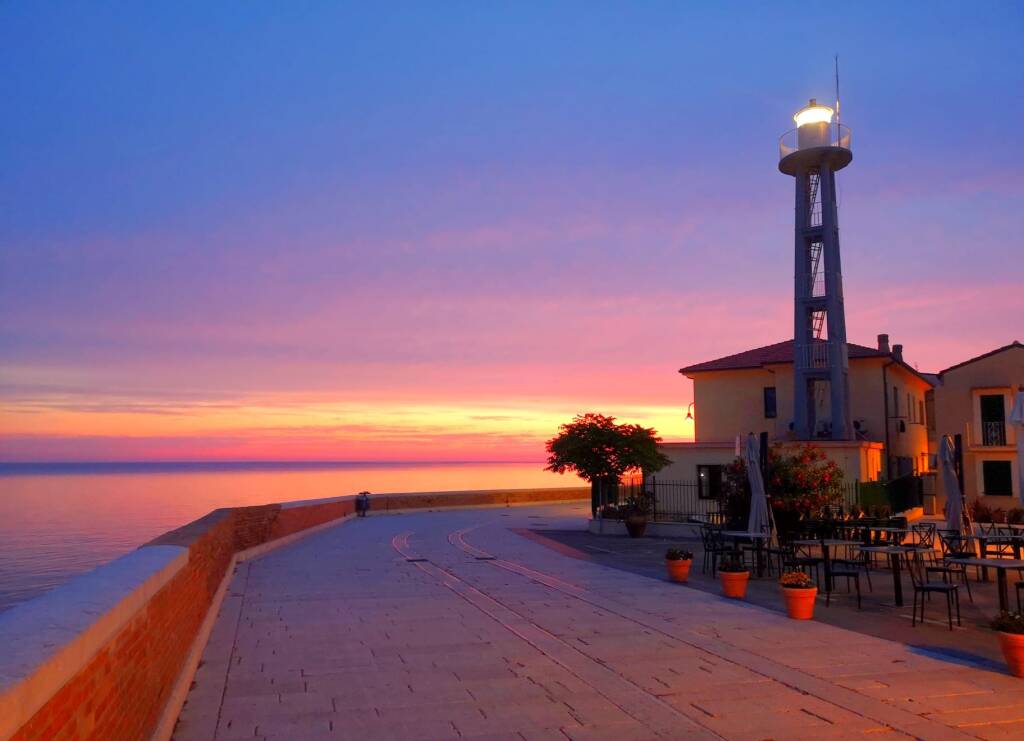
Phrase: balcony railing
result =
(792, 141)
(993, 433)
(814, 355)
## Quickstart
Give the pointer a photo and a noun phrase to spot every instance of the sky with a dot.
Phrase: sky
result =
(436, 231)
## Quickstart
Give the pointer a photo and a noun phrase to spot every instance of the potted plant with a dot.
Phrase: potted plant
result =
(734, 575)
(799, 592)
(1010, 626)
(635, 512)
(678, 563)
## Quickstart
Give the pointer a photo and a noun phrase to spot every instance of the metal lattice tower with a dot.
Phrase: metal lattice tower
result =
(812, 153)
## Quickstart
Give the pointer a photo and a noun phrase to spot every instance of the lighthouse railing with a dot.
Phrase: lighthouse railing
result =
(838, 136)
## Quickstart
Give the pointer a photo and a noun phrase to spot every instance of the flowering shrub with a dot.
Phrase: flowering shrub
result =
(1009, 622)
(796, 580)
(732, 566)
(980, 512)
(674, 554)
(800, 484)
(640, 504)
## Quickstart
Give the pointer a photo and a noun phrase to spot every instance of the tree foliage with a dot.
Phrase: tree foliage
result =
(595, 447)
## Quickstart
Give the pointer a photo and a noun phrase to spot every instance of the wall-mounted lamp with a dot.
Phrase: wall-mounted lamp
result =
(689, 411)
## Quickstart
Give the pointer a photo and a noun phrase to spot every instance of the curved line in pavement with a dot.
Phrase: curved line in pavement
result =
(401, 544)
(457, 539)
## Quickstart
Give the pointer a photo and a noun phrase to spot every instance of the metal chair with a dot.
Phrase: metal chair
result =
(800, 558)
(924, 536)
(923, 588)
(954, 546)
(843, 569)
(714, 546)
(854, 563)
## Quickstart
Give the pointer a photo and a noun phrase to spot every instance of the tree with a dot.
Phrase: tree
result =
(599, 450)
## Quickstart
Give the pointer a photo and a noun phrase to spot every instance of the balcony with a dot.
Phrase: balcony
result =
(814, 355)
(993, 433)
(806, 146)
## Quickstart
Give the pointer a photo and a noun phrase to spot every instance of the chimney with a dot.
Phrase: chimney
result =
(897, 352)
(883, 343)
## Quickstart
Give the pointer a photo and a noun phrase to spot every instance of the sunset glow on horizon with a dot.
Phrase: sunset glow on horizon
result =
(439, 233)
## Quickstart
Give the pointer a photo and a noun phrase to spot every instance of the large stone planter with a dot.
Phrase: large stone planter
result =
(636, 525)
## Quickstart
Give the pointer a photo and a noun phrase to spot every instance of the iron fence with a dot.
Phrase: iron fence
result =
(681, 501)
(686, 501)
(851, 495)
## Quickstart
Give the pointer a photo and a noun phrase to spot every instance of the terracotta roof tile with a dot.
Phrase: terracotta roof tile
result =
(780, 352)
(1015, 343)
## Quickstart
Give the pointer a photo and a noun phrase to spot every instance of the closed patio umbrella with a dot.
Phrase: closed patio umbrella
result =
(760, 520)
(1017, 420)
(954, 497)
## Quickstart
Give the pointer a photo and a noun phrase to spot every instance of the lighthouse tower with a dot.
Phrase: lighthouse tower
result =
(812, 153)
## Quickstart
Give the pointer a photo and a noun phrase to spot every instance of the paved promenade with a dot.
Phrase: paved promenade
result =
(453, 625)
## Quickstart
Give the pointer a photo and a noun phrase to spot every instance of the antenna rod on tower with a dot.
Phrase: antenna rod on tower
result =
(838, 130)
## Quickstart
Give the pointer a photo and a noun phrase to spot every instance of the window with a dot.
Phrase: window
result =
(997, 478)
(920, 411)
(895, 402)
(770, 410)
(993, 420)
(709, 482)
(929, 408)
(910, 408)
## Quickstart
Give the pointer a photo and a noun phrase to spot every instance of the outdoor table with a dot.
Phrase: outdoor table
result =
(1001, 565)
(894, 562)
(984, 541)
(825, 544)
(759, 541)
(870, 530)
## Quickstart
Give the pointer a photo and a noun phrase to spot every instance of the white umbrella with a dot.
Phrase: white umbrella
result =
(1017, 420)
(760, 520)
(954, 498)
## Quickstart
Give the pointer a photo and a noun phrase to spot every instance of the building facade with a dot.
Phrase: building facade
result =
(973, 399)
(752, 391)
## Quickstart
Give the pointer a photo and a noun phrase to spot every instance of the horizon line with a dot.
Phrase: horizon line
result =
(257, 461)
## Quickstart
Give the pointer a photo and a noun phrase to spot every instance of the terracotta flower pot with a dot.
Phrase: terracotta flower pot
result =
(800, 602)
(635, 525)
(679, 569)
(1013, 651)
(734, 583)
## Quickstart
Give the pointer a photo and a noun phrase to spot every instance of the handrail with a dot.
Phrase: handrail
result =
(839, 136)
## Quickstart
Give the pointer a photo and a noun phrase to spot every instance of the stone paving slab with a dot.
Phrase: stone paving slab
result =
(341, 635)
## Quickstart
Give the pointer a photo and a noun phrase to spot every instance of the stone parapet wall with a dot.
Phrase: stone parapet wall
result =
(109, 654)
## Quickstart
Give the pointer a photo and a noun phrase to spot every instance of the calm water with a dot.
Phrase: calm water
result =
(60, 520)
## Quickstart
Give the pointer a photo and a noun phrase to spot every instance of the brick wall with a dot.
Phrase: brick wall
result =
(121, 692)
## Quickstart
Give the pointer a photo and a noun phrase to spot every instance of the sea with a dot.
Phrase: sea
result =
(58, 520)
